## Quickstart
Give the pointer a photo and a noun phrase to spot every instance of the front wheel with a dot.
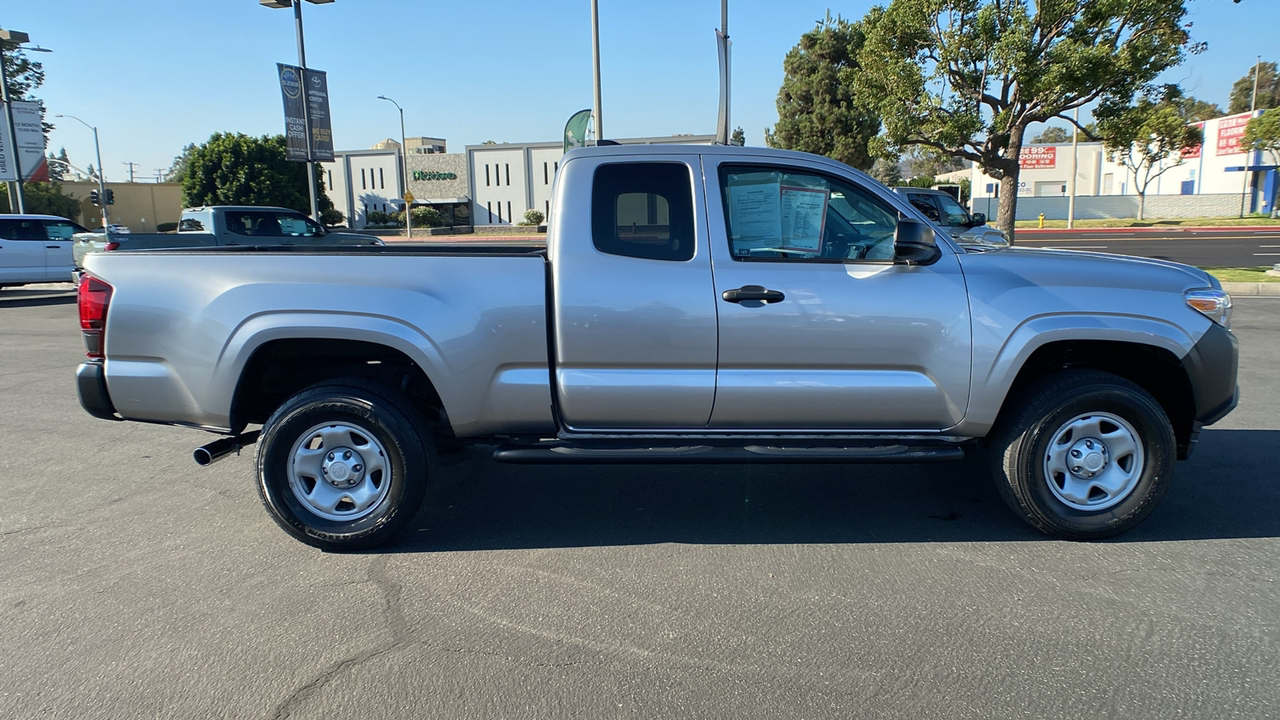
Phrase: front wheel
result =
(343, 466)
(1084, 455)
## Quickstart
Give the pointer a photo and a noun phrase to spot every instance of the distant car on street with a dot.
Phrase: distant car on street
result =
(942, 208)
(36, 249)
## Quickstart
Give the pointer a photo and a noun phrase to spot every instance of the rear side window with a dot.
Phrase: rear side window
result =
(643, 210)
(924, 204)
(60, 229)
(22, 229)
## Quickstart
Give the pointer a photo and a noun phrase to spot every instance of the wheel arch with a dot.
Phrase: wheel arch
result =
(268, 364)
(1155, 369)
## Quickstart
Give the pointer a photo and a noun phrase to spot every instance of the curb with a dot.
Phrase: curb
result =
(1247, 289)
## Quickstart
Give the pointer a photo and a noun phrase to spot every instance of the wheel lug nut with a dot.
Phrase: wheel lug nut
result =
(357, 468)
(331, 456)
(1075, 453)
(1075, 469)
(1088, 444)
(347, 455)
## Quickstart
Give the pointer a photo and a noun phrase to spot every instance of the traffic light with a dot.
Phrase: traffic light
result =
(111, 196)
(93, 197)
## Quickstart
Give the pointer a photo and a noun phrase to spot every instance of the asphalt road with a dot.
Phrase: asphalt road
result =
(136, 584)
(1225, 247)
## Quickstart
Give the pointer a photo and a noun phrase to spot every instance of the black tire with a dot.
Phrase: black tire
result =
(1047, 423)
(298, 485)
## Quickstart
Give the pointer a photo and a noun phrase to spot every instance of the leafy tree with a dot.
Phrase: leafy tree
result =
(922, 181)
(58, 166)
(887, 171)
(236, 169)
(1263, 135)
(178, 168)
(968, 77)
(22, 73)
(817, 111)
(1147, 138)
(1268, 90)
(918, 160)
(1053, 134)
(41, 198)
(1193, 110)
(738, 137)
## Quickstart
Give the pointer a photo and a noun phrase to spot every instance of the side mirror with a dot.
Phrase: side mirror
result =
(914, 243)
(979, 219)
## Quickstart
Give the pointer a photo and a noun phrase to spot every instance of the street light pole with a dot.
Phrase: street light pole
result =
(595, 74)
(404, 169)
(306, 105)
(15, 38)
(102, 180)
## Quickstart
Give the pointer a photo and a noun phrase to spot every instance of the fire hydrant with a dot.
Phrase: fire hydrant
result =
(1042, 220)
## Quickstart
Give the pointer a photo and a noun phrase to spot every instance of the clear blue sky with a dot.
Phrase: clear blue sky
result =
(154, 75)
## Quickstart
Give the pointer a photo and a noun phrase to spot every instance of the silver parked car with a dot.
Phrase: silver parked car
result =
(943, 209)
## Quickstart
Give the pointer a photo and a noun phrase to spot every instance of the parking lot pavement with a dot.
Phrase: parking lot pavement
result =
(137, 584)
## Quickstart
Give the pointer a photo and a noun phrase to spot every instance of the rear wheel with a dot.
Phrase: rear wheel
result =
(343, 466)
(1084, 455)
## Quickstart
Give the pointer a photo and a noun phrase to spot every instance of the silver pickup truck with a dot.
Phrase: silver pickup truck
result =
(219, 225)
(693, 305)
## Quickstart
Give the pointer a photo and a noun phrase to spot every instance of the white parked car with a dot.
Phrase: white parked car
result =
(36, 249)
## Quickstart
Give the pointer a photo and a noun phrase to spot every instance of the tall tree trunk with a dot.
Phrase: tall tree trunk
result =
(1008, 205)
(1142, 204)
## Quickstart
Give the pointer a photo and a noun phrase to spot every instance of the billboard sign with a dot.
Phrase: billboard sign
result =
(28, 126)
(1231, 132)
(303, 92)
(1038, 158)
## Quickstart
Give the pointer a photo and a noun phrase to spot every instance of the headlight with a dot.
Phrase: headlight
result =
(1214, 304)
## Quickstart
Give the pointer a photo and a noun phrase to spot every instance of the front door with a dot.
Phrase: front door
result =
(819, 329)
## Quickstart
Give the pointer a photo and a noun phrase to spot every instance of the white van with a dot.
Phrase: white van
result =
(36, 249)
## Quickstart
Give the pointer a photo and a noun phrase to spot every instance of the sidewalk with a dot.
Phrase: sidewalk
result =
(1165, 228)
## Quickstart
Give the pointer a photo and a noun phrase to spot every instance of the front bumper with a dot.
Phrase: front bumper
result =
(91, 386)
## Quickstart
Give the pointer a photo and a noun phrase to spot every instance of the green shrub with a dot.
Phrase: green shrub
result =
(331, 216)
(533, 217)
(427, 217)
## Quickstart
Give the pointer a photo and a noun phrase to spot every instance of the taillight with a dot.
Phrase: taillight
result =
(94, 297)
(113, 245)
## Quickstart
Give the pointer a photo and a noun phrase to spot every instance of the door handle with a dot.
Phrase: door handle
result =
(753, 292)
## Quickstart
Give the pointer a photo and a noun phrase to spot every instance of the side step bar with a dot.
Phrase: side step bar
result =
(564, 453)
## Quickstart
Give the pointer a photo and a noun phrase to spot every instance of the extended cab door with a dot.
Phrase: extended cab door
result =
(633, 311)
(838, 336)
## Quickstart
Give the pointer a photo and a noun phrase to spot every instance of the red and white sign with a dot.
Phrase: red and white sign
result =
(1230, 132)
(1194, 152)
(1036, 158)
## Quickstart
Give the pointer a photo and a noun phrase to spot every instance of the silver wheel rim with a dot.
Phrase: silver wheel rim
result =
(339, 471)
(1094, 461)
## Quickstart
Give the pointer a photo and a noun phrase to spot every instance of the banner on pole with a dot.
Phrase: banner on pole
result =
(575, 131)
(295, 118)
(29, 155)
(723, 46)
(317, 83)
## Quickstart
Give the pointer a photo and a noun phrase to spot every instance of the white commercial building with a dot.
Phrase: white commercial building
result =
(491, 184)
(509, 179)
(1206, 181)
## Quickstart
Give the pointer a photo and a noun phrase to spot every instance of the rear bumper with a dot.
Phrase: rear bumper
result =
(91, 385)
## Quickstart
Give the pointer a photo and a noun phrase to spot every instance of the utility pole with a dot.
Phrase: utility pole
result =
(595, 74)
(130, 164)
(1253, 105)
